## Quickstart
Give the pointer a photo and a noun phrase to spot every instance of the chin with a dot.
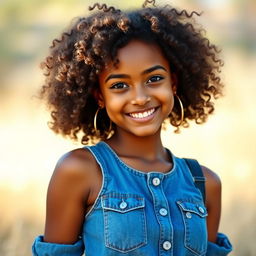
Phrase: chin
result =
(145, 132)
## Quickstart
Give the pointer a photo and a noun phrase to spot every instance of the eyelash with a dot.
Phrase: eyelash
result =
(124, 85)
(115, 86)
(159, 78)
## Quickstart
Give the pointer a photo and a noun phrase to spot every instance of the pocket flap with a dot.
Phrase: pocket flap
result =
(194, 207)
(122, 202)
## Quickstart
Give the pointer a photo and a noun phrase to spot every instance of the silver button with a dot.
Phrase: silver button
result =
(123, 205)
(163, 211)
(156, 181)
(188, 215)
(167, 245)
(201, 209)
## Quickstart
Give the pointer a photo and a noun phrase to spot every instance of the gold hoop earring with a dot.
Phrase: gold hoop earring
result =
(95, 123)
(182, 111)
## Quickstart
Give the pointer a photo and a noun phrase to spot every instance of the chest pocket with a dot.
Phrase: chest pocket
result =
(124, 221)
(194, 218)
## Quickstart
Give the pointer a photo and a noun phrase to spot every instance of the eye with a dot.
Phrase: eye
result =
(154, 79)
(119, 86)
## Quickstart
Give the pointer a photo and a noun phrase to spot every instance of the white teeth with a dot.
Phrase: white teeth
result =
(142, 114)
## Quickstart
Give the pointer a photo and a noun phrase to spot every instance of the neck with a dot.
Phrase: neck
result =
(148, 147)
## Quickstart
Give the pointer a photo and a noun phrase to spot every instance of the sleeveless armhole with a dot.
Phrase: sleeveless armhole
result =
(103, 169)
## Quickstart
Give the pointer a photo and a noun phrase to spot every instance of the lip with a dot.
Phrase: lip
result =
(143, 115)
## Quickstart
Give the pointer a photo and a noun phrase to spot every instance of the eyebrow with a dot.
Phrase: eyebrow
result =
(112, 76)
(147, 71)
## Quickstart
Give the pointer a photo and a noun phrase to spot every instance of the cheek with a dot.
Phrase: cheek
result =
(114, 105)
(168, 96)
(114, 102)
(171, 103)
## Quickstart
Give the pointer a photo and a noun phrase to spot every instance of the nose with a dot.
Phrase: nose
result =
(140, 97)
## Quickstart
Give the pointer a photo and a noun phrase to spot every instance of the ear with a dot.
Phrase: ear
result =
(174, 82)
(99, 98)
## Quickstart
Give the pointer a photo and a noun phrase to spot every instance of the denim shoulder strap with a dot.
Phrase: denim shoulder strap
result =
(197, 174)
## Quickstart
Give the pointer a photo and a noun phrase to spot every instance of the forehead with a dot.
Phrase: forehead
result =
(137, 56)
(139, 49)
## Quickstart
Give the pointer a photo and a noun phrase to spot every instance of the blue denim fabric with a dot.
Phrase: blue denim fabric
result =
(139, 213)
(41, 248)
(221, 248)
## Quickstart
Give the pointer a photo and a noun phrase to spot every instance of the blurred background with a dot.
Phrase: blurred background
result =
(29, 149)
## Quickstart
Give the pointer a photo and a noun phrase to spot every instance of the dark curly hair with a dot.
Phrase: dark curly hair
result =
(77, 58)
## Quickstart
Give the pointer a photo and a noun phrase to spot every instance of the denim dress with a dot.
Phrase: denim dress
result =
(141, 214)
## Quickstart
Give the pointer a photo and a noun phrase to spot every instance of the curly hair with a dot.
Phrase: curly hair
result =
(75, 60)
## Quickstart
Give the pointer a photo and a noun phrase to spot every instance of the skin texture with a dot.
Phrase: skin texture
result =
(82, 52)
(130, 87)
(126, 91)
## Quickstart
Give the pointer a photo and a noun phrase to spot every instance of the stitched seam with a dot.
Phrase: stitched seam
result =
(104, 181)
(108, 243)
(169, 218)
(186, 233)
(135, 171)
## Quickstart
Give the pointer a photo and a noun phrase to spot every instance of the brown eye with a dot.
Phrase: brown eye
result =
(154, 79)
(119, 86)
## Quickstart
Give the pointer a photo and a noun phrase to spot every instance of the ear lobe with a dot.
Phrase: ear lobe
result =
(174, 83)
(99, 98)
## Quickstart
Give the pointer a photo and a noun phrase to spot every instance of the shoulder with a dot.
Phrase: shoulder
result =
(73, 172)
(75, 163)
(67, 197)
(212, 186)
(212, 179)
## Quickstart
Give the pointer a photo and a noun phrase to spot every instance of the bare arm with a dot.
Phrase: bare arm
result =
(213, 202)
(67, 197)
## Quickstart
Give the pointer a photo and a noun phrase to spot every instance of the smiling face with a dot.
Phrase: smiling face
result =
(138, 93)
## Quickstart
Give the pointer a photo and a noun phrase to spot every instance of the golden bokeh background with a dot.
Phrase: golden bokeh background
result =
(29, 150)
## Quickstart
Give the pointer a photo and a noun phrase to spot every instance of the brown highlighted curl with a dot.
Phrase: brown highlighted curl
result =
(71, 70)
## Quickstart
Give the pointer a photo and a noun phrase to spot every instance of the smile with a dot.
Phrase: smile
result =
(144, 114)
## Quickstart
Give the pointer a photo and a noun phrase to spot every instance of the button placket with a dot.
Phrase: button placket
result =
(161, 207)
(163, 211)
(156, 181)
(167, 245)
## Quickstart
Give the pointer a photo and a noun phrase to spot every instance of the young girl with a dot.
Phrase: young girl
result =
(116, 77)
